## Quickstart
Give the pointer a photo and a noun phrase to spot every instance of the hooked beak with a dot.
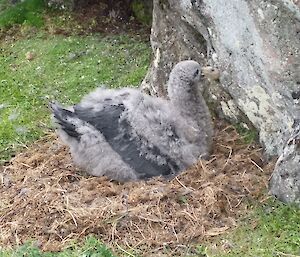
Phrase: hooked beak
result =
(210, 73)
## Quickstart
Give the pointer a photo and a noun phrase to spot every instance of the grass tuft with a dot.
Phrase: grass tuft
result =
(248, 135)
(91, 247)
(272, 230)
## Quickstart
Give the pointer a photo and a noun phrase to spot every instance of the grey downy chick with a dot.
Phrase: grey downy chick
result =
(127, 135)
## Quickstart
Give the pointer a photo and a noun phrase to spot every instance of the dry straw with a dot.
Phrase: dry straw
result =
(44, 197)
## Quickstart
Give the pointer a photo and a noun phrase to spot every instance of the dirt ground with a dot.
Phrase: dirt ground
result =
(45, 198)
(96, 18)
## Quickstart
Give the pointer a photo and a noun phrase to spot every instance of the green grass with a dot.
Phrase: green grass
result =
(91, 248)
(28, 11)
(271, 230)
(64, 69)
(248, 135)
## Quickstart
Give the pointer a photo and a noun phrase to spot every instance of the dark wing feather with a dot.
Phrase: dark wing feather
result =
(118, 133)
(61, 115)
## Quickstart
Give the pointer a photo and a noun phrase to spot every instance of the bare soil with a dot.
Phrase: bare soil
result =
(45, 198)
(98, 17)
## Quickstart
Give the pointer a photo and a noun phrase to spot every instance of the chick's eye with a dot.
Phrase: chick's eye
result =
(196, 73)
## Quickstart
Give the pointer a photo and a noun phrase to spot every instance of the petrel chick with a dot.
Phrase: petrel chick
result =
(125, 134)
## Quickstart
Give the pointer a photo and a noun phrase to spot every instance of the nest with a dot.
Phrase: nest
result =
(45, 198)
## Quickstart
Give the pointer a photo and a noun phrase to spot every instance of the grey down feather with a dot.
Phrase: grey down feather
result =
(127, 135)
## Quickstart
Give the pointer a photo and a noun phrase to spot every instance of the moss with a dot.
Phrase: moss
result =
(248, 135)
(142, 11)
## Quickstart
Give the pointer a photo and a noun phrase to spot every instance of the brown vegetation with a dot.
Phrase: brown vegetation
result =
(44, 197)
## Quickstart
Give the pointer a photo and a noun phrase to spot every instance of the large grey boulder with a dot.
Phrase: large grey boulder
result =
(255, 45)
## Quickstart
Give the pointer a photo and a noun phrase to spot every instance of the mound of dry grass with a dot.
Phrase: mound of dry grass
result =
(44, 197)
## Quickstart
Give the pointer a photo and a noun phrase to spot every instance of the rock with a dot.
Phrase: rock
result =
(255, 46)
(285, 181)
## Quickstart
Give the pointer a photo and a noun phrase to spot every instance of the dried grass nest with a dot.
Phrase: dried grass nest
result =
(44, 197)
